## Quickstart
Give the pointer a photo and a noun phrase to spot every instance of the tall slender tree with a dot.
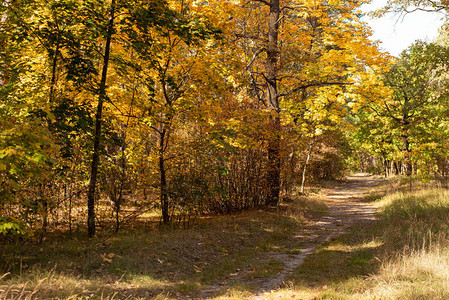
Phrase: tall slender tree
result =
(98, 122)
(274, 156)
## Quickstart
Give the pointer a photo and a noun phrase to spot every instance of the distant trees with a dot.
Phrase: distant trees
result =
(405, 125)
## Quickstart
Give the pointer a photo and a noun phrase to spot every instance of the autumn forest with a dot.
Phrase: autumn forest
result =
(154, 117)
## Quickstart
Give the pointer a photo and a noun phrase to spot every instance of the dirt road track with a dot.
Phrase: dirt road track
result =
(346, 205)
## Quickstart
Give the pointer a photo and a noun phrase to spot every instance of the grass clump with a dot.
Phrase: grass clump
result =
(417, 274)
(416, 250)
(416, 219)
(297, 205)
(311, 205)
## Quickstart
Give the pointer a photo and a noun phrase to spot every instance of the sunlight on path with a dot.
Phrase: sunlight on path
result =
(346, 205)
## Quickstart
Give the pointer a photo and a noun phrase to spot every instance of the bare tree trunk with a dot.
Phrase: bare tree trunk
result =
(70, 206)
(117, 215)
(443, 169)
(98, 121)
(53, 75)
(407, 157)
(395, 168)
(163, 179)
(274, 159)
(305, 164)
(122, 178)
(44, 211)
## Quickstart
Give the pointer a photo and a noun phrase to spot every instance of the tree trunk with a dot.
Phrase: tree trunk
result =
(44, 213)
(396, 168)
(53, 74)
(163, 179)
(443, 168)
(274, 170)
(51, 100)
(70, 207)
(305, 165)
(274, 159)
(117, 215)
(407, 155)
(98, 121)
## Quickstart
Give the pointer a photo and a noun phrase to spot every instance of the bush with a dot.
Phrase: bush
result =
(12, 228)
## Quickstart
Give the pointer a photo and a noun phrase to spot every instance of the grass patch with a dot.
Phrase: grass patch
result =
(415, 219)
(297, 205)
(311, 205)
(163, 263)
(349, 255)
(373, 197)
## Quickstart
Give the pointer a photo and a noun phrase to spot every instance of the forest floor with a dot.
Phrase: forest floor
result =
(251, 255)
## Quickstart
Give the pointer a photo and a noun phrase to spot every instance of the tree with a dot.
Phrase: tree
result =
(98, 123)
(401, 123)
(185, 106)
(167, 43)
(319, 45)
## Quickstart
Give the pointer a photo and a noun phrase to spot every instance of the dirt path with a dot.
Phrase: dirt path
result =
(346, 205)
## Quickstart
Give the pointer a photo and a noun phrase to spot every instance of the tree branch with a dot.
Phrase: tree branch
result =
(254, 57)
(264, 2)
(312, 85)
(254, 37)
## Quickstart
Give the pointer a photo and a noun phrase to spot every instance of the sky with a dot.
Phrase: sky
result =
(396, 33)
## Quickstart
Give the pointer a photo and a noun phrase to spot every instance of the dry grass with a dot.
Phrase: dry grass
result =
(422, 274)
(165, 263)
